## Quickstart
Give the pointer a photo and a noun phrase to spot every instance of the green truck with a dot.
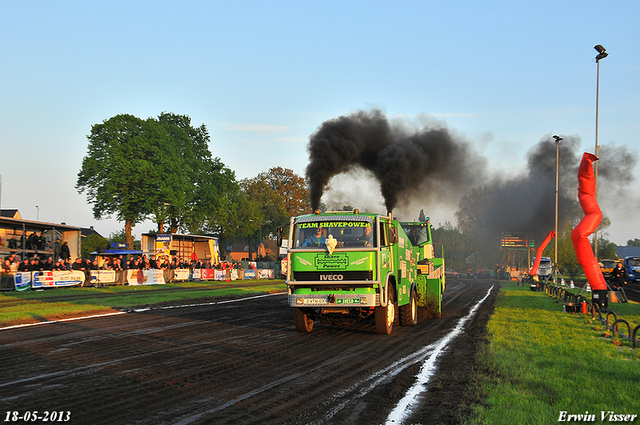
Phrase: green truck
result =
(348, 266)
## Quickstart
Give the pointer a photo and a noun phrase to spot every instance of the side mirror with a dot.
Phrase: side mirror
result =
(393, 235)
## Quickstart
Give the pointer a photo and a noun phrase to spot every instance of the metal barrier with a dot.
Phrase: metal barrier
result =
(603, 315)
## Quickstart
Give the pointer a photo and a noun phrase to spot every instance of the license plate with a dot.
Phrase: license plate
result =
(348, 301)
(316, 301)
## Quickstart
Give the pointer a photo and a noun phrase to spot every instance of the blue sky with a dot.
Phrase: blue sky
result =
(262, 76)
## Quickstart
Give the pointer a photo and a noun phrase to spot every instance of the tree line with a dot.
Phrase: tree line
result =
(162, 169)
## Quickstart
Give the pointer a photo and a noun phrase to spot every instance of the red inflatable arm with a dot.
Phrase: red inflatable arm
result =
(543, 245)
(592, 217)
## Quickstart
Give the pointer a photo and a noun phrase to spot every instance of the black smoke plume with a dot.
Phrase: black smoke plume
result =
(526, 202)
(429, 165)
(403, 160)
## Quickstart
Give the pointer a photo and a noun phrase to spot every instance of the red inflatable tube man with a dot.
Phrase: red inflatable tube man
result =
(543, 245)
(592, 217)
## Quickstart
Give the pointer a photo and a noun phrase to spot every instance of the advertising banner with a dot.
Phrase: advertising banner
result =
(265, 274)
(181, 274)
(249, 274)
(55, 279)
(22, 281)
(207, 274)
(145, 277)
(221, 274)
(103, 276)
(163, 244)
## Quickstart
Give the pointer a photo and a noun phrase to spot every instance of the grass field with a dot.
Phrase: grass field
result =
(540, 362)
(54, 304)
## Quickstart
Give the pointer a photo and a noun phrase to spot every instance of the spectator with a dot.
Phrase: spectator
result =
(65, 253)
(34, 265)
(107, 265)
(48, 265)
(57, 250)
(31, 244)
(24, 266)
(618, 277)
(78, 264)
(6, 266)
(59, 265)
(116, 264)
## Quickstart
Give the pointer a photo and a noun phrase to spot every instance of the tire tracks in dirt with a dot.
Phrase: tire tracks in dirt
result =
(237, 362)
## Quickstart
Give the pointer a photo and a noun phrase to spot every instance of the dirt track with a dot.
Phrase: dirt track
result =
(239, 362)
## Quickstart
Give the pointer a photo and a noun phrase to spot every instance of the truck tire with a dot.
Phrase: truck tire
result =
(302, 321)
(409, 312)
(385, 316)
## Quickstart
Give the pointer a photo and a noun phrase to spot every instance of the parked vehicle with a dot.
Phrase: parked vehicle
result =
(450, 273)
(607, 267)
(632, 267)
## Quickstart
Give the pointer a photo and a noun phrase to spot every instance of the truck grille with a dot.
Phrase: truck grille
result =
(333, 276)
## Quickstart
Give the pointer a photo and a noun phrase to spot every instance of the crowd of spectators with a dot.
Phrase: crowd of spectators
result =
(12, 263)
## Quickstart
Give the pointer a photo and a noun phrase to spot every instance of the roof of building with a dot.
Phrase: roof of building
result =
(10, 213)
(84, 232)
(628, 251)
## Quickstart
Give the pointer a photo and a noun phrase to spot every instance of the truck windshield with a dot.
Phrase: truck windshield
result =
(417, 233)
(608, 264)
(348, 234)
(634, 262)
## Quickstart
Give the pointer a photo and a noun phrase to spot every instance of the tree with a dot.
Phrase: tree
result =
(633, 242)
(157, 168)
(118, 172)
(202, 200)
(456, 245)
(91, 244)
(567, 259)
(291, 187)
(471, 210)
(268, 204)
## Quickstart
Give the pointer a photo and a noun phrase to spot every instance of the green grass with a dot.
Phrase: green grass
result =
(52, 304)
(540, 361)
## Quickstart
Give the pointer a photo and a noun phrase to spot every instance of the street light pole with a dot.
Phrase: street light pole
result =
(602, 53)
(555, 275)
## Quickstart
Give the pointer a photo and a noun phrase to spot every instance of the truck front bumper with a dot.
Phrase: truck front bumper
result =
(334, 300)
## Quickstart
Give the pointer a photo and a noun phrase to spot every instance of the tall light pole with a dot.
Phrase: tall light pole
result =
(37, 213)
(602, 53)
(555, 275)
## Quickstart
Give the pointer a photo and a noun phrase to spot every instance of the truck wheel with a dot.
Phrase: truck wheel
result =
(302, 321)
(409, 312)
(385, 316)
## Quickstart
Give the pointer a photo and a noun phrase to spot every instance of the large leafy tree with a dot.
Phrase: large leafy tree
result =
(118, 172)
(160, 168)
(267, 204)
(455, 244)
(204, 191)
(291, 187)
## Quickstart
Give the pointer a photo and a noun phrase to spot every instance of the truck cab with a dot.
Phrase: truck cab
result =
(632, 268)
(545, 270)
